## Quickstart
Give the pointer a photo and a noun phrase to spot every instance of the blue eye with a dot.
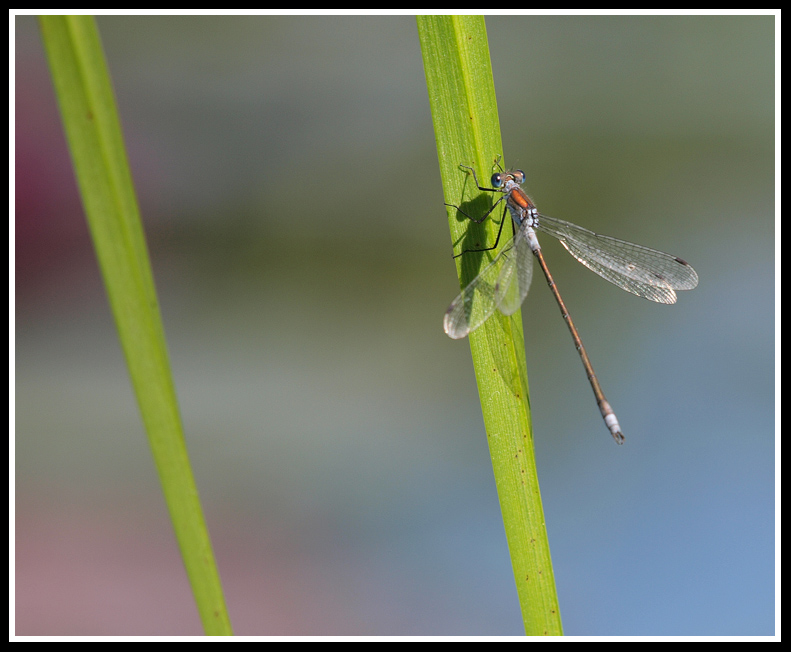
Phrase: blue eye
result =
(497, 180)
(519, 176)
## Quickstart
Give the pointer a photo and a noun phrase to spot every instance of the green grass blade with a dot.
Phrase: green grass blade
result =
(467, 129)
(90, 119)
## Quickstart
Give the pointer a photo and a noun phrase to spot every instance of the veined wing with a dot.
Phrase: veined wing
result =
(513, 283)
(645, 272)
(503, 284)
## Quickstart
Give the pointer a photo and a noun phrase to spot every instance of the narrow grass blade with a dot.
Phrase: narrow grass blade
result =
(467, 130)
(87, 106)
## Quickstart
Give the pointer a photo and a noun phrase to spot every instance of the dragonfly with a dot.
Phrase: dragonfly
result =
(503, 284)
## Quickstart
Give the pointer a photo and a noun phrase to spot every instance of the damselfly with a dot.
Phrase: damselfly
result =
(503, 284)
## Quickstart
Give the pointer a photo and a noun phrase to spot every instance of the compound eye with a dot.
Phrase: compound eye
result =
(519, 176)
(497, 180)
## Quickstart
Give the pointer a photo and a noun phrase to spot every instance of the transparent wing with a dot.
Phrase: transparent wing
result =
(503, 284)
(645, 272)
(513, 283)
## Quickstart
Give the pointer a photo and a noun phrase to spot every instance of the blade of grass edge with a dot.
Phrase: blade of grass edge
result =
(466, 125)
(93, 131)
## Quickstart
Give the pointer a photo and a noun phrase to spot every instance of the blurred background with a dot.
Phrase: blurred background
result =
(289, 188)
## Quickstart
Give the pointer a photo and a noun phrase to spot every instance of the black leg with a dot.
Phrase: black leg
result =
(487, 214)
(499, 231)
